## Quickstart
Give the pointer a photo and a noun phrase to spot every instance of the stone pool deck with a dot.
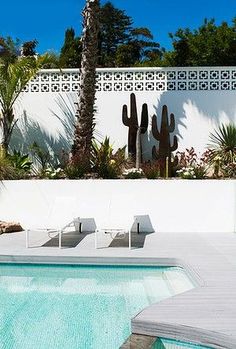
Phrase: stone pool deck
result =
(205, 315)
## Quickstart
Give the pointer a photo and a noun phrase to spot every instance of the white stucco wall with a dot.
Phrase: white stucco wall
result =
(200, 99)
(165, 206)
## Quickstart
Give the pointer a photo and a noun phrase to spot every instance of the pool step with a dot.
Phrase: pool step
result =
(136, 341)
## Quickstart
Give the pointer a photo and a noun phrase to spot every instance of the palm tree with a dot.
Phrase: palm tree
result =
(15, 73)
(84, 129)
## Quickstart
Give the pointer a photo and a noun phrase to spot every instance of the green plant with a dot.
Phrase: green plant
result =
(133, 173)
(186, 173)
(20, 162)
(76, 168)
(41, 156)
(163, 136)
(151, 170)
(52, 173)
(229, 170)
(196, 172)
(200, 171)
(105, 162)
(223, 148)
(15, 73)
(7, 171)
(70, 55)
(190, 166)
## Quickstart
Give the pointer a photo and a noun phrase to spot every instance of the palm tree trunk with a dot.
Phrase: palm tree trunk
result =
(7, 123)
(85, 113)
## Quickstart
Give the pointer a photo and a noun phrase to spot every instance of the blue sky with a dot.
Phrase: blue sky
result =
(46, 20)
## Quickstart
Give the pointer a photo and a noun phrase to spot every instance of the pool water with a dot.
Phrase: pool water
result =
(78, 307)
(171, 344)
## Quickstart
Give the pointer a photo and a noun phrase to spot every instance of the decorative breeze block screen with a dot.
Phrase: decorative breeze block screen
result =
(166, 79)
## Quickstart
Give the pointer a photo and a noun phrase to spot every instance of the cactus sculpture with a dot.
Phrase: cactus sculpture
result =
(163, 136)
(133, 125)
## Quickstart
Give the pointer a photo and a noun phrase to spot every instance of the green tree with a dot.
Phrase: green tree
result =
(115, 28)
(119, 43)
(29, 48)
(83, 137)
(139, 49)
(15, 73)
(70, 55)
(209, 45)
(9, 49)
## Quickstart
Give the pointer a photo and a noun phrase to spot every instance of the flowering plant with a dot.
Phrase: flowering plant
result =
(190, 166)
(186, 173)
(133, 173)
(54, 173)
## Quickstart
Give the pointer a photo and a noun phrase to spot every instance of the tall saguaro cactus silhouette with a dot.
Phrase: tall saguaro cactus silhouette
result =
(163, 136)
(135, 131)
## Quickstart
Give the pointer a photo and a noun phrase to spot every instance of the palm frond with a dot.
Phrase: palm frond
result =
(224, 137)
(223, 146)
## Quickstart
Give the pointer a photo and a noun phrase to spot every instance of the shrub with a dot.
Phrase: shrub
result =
(190, 166)
(133, 173)
(229, 170)
(75, 168)
(42, 158)
(105, 162)
(20, 161)
(52, 173)
(151, 170)
(223, 150)
(7, 171)
(186, 173)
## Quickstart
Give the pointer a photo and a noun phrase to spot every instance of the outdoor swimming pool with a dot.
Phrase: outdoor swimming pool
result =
(78, 307)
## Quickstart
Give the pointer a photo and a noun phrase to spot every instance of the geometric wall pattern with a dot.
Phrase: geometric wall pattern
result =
(141, 79)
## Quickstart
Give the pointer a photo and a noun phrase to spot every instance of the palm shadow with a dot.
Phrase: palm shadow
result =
(28, 130)
(196, 114)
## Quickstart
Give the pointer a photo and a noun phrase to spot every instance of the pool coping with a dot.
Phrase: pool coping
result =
(94, 260)
(212, 300)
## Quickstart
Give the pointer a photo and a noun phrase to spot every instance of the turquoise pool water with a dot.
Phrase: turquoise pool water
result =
(170, 344)
(78, 307)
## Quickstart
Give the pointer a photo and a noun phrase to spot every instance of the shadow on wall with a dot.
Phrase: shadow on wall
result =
(197, 114)
(27, 131)
(216, 106)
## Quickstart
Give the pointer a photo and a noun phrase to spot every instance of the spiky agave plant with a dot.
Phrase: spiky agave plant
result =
(223, 147)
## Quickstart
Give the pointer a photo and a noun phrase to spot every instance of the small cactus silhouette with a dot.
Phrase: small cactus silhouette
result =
(133, 125)
(163, 136)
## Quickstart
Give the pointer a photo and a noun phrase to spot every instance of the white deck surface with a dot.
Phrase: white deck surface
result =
(206, 314)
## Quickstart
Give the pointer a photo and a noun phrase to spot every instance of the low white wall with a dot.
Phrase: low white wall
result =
(172, 206)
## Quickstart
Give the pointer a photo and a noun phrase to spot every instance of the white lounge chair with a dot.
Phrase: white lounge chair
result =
(61, 216)
(117, 224)
(117, 231)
